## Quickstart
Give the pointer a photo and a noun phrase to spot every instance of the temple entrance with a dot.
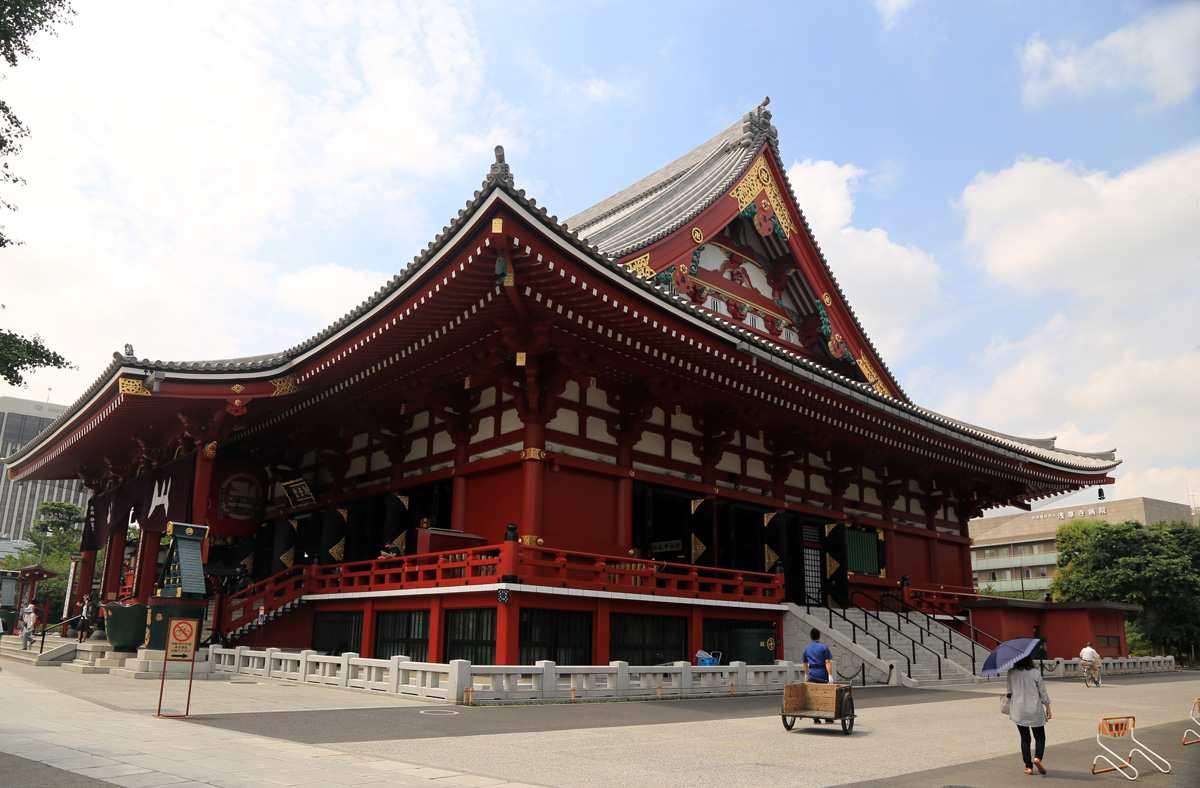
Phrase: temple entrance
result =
(673, 525)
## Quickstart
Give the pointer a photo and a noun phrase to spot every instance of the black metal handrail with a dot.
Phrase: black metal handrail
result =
(809, 604)
(902, 633)
(975, 630)
(886, 599)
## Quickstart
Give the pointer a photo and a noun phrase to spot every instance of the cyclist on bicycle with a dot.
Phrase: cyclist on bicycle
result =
(1091, 661)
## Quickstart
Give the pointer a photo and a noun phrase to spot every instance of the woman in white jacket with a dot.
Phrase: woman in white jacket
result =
(1030, 710)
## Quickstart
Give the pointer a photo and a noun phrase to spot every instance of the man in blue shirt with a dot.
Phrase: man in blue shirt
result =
(818, 663)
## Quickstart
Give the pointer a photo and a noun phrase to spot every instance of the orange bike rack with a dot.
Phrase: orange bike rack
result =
(1195, 715)
(1113, 728)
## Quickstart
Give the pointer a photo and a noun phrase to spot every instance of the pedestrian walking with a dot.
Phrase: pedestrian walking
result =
(818, 665)
(1029, 708)
(28, 624)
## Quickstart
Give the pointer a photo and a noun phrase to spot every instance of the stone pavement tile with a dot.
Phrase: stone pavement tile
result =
(152, 761)
(146, 780)
(472, 781)
(116, 770)
(276, 776)
(77, 761)
(16, 772)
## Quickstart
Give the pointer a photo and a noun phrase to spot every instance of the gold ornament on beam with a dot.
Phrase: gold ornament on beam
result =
(338, 551)
(696, 503)
(135, 387)
(831, 566)
(288, 558)
(771, 557)
(402, 499)
(641, 266)
(767, 517)
(698, 548)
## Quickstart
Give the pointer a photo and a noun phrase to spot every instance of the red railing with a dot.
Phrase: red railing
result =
(506, 562)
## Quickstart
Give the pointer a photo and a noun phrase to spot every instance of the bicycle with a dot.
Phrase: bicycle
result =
(1091, 674)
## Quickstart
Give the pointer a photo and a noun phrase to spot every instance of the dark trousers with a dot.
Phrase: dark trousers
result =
(1039, 736)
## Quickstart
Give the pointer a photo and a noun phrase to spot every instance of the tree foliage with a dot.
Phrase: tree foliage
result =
(19, 355)
(54, 539)
(20, 21)
(1156, 566)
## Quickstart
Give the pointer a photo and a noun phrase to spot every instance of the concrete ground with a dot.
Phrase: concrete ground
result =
(64, 729)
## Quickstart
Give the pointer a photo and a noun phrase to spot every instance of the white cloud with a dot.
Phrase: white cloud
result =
(185, 159)
(895, 286)
(1112, 260)
(890, 10)
(1158, 54)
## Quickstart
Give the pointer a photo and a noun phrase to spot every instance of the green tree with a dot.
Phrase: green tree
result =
(1156, 566)
(20, 21)
(53, 539)
(18, 355)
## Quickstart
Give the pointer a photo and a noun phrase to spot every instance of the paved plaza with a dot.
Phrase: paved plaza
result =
(64, 729)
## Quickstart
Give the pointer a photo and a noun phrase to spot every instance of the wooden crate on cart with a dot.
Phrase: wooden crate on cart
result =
(818, 701)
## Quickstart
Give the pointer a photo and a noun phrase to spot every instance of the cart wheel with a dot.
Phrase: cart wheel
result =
(848, 715)
(788, 722)
(1087, 678)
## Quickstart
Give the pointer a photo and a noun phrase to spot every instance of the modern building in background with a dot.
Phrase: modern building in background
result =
(1016, 552)
(20, 422)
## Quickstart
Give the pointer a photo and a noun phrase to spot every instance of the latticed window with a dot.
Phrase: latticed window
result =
(862, 551)
(471, 635)
(402, 632)
(560, 635)
(647, 640)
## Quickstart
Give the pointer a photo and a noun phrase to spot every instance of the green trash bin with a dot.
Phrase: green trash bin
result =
(125, 625)
(752, 646)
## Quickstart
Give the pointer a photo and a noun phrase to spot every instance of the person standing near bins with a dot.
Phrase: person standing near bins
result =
(1029, 709)
(28, 624)
(818, 664)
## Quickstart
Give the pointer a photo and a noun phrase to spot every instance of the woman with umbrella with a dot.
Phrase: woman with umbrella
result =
(1029, 705)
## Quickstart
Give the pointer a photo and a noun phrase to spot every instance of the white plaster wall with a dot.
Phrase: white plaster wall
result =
(572, 392)
(418, 451)
(358, 466)
(420, 421)
(872, 497)
(487, 429)
(657, 417)
(510, 421)
(817, 483)
(380, 461)
(652, 443)
(755, 469)
(682, 451)
(796, 479)
(487, 398)
(442, 442)
(683, 423)
(597, 430)
(359, 442)
(730, 463)
(565, 421)
(753, 443)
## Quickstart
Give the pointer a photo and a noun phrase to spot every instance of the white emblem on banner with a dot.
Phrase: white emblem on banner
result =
(161, 497)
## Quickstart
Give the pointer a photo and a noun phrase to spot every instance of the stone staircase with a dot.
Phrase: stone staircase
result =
(253, 626)
(924, 651)
(56, 651)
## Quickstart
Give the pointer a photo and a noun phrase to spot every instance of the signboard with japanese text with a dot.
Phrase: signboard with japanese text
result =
(181, 639)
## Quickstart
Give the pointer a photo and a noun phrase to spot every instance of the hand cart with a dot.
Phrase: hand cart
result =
(829, 702)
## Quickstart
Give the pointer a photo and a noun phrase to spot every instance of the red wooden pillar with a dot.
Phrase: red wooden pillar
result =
(147, 566)
(601, 638)
(87, 573)
(508, 629)
(201, 483)
(435, 629)
(367, 648)
(934, 574)
(458, 504)
(695, 631)
(114, 563)
(534, 476)
(625, 497)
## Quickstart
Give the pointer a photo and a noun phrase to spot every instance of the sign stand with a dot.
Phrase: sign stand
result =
(182, 634)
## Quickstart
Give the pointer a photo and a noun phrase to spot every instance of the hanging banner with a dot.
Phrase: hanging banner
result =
(237, 499)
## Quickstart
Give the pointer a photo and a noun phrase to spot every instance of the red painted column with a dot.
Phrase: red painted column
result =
(934, 574)
(367, 648)
(114, 563)
(508, 629)
(625, 498)
(147, 566)
(600, 633)
(87, 573)
(202, 481)
(534, 477)
(458, 504)
(435, 629)
(695, 631)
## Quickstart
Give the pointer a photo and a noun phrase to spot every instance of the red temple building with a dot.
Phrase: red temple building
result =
(626, 436)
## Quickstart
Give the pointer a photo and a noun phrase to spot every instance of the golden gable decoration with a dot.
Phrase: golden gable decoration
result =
(757, 181)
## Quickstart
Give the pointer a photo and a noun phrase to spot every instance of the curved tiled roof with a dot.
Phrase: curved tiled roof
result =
(500, 179)
(672, 197)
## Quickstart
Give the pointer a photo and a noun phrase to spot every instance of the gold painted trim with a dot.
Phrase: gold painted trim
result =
(497, 225)
(402, 499)
(345, 513)
(698, 548)
(285, 385)
(758, 179)
(134, 387)
(697, 235)
(338, 551)
(768, 517)
(696, 503)
(289, 557)
(533, 454)
(237, 388)
(771, 557)
(641, 266)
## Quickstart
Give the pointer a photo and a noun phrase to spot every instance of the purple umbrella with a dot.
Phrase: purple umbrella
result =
(1007, 654)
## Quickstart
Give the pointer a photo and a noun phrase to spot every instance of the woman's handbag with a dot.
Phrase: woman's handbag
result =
(1005, 702)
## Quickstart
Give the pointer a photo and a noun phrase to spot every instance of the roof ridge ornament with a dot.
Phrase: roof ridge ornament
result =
(500, 172)
(758, 121)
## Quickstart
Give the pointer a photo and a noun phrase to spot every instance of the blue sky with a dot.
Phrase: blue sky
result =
(1008, 192)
